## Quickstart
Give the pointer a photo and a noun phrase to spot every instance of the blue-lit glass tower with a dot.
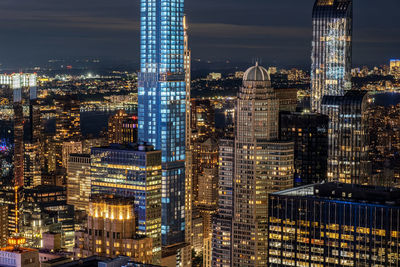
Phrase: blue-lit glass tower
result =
(162, 105)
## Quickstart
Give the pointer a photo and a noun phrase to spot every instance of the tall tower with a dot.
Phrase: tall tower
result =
(262, 165)
(162, 105)
(189, 153)
(348, 137)
(331, 49)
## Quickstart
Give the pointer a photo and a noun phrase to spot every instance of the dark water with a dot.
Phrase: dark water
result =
(221, 120)
(92, 123)
(387, 99)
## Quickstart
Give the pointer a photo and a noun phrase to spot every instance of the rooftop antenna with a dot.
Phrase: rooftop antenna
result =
(257, 61)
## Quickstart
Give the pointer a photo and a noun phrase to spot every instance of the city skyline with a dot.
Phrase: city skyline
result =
(95, 29)
(164, 166)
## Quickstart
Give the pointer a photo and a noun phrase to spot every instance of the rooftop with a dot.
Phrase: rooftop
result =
(256, 74)
(347, 192)
(138, 147)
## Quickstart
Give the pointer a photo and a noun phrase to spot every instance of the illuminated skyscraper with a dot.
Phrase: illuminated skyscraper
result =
(79, 181)
(132, 171)
(222, 222)
(122, 128)
(18, 82)
(348, 137)
(162, 105)
(189, 147)
(262, 165)
(331, 49)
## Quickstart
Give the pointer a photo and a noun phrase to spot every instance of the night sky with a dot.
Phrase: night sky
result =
(277, 31)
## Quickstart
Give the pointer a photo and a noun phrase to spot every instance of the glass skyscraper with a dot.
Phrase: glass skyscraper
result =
(348, 137)
(132, 171)
(331, 49)
(162, 105)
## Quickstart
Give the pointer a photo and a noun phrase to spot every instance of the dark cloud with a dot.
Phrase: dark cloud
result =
(279, 32)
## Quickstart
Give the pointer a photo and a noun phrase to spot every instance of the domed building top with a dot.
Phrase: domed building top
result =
(256, 74)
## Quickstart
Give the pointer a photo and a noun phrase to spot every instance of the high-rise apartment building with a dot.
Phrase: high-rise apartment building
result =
(67, 128)
(262, 165)
(111, 231)
(132, 171)
(334, 224)
(331, 49)
(79, 181)
(189, 158)
(309, 132)
(33, 146)
(348, 137)
(222, 221)
(162, 104)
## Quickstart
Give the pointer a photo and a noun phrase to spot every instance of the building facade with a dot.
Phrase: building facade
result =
(262, 165)
(4, 234)
(162, 105)
(309, 132)
(45, 209)
(334, 224)
(122, 128)
(331, 49)
(222, 221)
(348, 137)
(79, 181)
(132, 171)
(111, 231)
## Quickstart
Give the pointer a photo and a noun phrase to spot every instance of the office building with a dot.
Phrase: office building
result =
(122, 128)
(222, 221)
(111, 231)
(162, 105)
(132, 171)
(205, 159)
(89, 143)
(309, 132)
(262, 165)
(203, 119)
(79, 181)
(3, 225)
(11, 191)
(334, 224)
(348, 137)
(43, 210)
(67, 129)
(33, 146)
(331, 49)
(287, 98)
(68, 148)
